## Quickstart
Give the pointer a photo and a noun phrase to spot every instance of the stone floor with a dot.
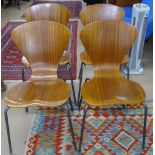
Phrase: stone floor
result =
(20, 121)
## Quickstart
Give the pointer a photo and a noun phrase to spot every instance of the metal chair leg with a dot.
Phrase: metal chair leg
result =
(70, 102)
(144, 128)
(72, 83)
(79, 104)
(71, 127)
(18, 4)
(7, 128)
(82, 128)
(128, 72)
(23, 79)
(80, 82)
(80, 70)
(26, 109)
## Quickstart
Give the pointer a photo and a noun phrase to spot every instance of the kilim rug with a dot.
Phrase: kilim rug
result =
(11, 68)
(74, 6)
(108, 131)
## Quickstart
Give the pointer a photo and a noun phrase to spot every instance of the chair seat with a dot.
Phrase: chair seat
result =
(38, 93)
(86, 59)
(108, 91)
(65, 58)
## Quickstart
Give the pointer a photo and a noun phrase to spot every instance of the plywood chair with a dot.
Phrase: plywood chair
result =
(107, 43)
(94, 13)
(52, 12)
(41, 44)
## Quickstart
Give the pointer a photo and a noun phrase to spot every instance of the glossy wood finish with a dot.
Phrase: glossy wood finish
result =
(99, 12)
(42, 43)
(107, 43)
(48, 11)
(52, 12)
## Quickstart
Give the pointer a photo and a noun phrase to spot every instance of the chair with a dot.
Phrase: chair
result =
(52, 12)
(94, 13)
(41, 44)
(109, 43)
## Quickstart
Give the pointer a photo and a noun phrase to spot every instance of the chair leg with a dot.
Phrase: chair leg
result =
(80, 82)
(7, 128)
(72, 83)
(82, 128)
(70, 102)
(18, 4)
(79, 104)
(128, 72)
(80, 70)
(144, 128)
(26, 109)
(71, 127)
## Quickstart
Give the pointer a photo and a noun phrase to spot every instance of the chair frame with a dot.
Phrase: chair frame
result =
(67, 109)
(99, 64)
(83, 126)
(69, 121)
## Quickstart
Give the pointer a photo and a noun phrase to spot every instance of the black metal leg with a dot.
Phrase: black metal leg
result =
(7, 128)
(18, 4)
(128, 72)
(82, 128)
(70, 102)
(71, 127)
(144, 128)
(73, 89)
(79, 104)
(27, 110)
(23, 76)
(80, 82)
(72, 83)
(80, 70)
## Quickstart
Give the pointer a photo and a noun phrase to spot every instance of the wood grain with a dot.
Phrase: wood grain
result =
(48, 11)
(42, 43)
(100, 12)
(107, 42)
(52, 12)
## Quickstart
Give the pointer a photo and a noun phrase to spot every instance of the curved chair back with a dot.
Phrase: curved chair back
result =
(42, 43)
(107, 42)
(98, 12)
(48, 11)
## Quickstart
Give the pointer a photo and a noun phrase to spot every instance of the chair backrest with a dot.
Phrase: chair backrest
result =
(42, 43)
(48, 11)
(107, 42)
(98, 12)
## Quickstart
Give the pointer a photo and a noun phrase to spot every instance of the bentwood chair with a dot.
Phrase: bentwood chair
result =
(92, 13)
(109, 43)
(41, 44)
(52, 12)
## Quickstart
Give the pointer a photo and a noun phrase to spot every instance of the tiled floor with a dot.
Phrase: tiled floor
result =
(20, 120)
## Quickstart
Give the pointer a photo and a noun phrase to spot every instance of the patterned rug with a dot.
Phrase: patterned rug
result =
(108, 131)
(74, 6)
(11, 68)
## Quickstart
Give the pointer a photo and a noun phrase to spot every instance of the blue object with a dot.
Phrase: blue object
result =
(128, 15)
